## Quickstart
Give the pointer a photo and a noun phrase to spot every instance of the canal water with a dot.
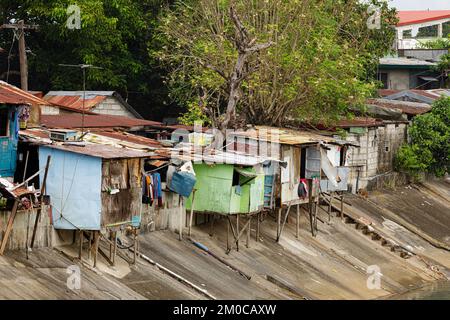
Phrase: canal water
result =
(439, 290)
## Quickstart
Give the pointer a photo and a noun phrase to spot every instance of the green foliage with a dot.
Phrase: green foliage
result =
(193, 114)
(429, 150)
(318, 67)
(436, 44)
(114, 35)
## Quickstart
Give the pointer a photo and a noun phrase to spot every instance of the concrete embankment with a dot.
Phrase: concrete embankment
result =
(396, 231)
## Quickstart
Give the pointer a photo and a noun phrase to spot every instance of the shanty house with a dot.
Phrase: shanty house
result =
(8, 139)
(372, 163)
(93, 186)
(232, 187)
(298, 154)
(405, 73)
(15, 106)
(99, 102)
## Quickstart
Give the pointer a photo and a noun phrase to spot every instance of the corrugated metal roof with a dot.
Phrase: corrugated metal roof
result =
(103, 151)
(405, 62)
(407, 107)
(101, 145)
(75, 101)
(359, 122)
(70, 121)
(283, 136)
(187, 153)
(10, 94)
(127, 137)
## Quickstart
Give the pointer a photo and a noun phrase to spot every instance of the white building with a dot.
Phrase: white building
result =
(416, 27)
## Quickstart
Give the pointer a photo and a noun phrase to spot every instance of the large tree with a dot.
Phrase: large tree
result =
(314, 58)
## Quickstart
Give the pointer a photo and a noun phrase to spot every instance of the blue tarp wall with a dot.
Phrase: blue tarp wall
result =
(8, 144)
(74, 186)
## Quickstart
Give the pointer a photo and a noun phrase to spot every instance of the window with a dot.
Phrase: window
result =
(428, 32)
(407, 34)
(4, 121)
(383, 77)
(446, 29)
(386, 146)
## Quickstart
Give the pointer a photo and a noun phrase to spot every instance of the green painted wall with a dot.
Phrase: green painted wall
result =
(215, 192)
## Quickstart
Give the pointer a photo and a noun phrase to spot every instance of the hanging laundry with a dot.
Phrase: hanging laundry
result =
(303, 189)
(147, 189)
(157, 189)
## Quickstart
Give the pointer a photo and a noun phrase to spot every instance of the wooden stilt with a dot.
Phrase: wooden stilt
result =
(211, 226)
(279, 222)
(110, 245)
(104, 255)
(284, 222)
(114, 247)
(38, 214)
(96, 241)
(91, 237)
(316, 209)
(9, 226)
(237, 231)
(342, 205)
(258, 216)
(310, 207)
(80, 249)
(249, 227)
(135, 245)
(181, 219)
(329, 206)
(228, 235)
(297, 231)
(192, 213)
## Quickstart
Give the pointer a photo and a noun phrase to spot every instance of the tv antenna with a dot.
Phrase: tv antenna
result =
(83, 68)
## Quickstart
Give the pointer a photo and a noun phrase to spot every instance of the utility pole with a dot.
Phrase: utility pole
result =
(21, 27)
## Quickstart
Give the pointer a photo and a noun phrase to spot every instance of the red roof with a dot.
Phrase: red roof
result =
(386, 92)
(414, 17)
(359, 122)
(75, 102)
(407, 107)
(74, 120)
(10, 94)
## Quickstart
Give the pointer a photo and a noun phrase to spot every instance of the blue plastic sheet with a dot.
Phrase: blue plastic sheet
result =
(74, 187)
(182, 183)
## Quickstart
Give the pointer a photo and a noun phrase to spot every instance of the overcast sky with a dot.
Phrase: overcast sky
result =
(420, 4)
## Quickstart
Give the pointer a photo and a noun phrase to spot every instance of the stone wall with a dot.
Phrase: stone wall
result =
(374, 159)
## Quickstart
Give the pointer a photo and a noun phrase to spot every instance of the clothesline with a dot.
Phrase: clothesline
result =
(154, 170)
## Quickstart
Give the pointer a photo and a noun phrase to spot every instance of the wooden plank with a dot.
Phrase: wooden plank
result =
(9, 227)
(284, 223)
(95, 246)
(39, 211)
(192, 212)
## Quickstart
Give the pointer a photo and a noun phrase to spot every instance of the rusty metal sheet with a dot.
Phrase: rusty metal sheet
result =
(10, 94)
(283, 136)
